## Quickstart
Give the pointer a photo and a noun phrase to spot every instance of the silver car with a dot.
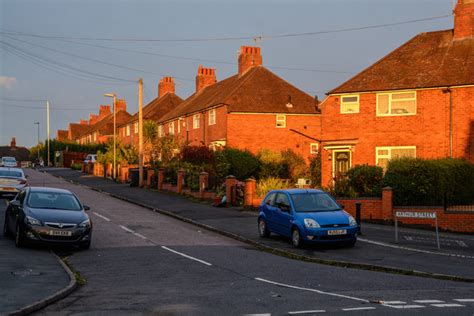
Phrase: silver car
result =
(12, 180)
(9, 162)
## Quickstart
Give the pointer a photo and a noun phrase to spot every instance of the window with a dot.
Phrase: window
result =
(313, 148)
(128, 130)
(282, 201)
(95, 136)
(384, 154)
(212, 117)
(160, 131)
(270, 199)
(196, 121)
(400, 103)
(281, 121)
(350, 104)
(179, 125)
(171, 128)
(135, 127)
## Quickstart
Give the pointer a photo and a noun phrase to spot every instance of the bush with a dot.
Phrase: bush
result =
(198, 155)
(272, 164)
(240, 163)
(266, 185)
(295, 164)
(315, 170)
(341, 187)
(76, 166)
(430, 182)
(365, 180)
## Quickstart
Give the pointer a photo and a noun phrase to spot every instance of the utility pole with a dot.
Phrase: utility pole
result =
(38, 123)
(48, 129)
(140, 132)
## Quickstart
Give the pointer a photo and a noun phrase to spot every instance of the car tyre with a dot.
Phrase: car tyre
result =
(19, 239)
(262, 228)
(296, 238)
(85, 245)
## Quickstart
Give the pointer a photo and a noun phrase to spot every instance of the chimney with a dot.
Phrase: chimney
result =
(13, 142)
(249, 57)
(104, 110)
(464, 19)
(120, 105)
(93, 118)
(165, 86)
(84, 122)
(205, 77)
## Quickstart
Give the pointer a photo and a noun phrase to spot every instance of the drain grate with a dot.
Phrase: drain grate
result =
(26, 273)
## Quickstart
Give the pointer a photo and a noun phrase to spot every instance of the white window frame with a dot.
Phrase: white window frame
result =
(389, 155)
(135, 127)
(94, 136)
(179, 125)
(311, 151)
(390, 94)
(160, 130)
(357, 103)
(127, 130)
(212, 117)
(196, 121)
(171, 128)
(280, 118)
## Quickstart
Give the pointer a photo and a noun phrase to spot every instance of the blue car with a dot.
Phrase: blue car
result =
(306, 216)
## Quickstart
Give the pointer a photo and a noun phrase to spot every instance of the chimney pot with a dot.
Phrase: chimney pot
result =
(166, 85)
(13, 142)
(249, 57)
(205, 77)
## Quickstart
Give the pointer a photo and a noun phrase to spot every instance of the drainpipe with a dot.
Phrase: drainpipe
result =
(448, 90)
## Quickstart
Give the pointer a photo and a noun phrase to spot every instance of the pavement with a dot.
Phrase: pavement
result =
(28, 277)
(415, 254)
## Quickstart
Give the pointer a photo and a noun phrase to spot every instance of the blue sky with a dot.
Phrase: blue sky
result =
(335, 56)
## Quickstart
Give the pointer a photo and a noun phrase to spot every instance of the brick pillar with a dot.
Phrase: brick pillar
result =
(149, 177)
(250, 189)
(387, 203)
(161, 178)
(230, 182)
(203, 183)
(180, 180)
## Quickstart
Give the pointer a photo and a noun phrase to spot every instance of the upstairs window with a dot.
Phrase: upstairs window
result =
(400, 103)
(313, 148)
(95, 136)
(349, 104)
(212, 117)
(171, 128)
(128, 130)
(384, 154)
(196, 121)
(135, 126)
(281, 121)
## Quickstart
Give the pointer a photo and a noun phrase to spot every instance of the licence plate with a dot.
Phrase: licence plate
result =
(337, 232)
(60, 233)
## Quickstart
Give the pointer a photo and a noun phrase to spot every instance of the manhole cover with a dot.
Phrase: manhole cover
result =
(26, 273)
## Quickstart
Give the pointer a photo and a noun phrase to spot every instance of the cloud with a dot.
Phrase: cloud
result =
(7, 82)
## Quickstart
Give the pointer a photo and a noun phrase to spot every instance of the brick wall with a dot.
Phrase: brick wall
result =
(371, 208)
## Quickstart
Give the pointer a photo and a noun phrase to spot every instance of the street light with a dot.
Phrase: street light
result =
(38, 123)
(114, 96)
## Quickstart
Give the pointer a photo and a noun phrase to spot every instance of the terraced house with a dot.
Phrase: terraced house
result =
(417, 101)
(155, 110)
(254, 109)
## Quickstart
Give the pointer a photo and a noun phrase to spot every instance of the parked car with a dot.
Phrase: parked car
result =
(90, 158)
(311, 216)
(49, 216)
(12, 180)
(9, 162)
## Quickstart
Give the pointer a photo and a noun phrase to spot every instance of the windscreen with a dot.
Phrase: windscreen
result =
(9, 159)
(11, 174)
(53, 200)
(314, 202)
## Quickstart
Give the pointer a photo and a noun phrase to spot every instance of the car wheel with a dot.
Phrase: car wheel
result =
(85, 245)
(351, 243)
(6, 231)
(19, 239)
(296, 238)
(262, 228)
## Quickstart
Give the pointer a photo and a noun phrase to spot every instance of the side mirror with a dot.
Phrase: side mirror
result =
(27, 176)
(16, 203)
(341, 206)
(86, 208)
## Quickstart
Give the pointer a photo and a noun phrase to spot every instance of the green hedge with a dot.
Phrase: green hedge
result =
(365, 180)
(430, 182)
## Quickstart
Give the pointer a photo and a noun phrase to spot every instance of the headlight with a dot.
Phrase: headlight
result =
(86, 223)
(311, 223)
(352, 221)
(32, 221)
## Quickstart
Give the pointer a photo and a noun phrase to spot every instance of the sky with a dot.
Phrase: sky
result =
(29, 64)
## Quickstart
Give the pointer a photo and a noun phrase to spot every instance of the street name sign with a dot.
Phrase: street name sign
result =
(414, 214)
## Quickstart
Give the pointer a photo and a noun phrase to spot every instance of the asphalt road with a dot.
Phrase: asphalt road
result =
(141, 262)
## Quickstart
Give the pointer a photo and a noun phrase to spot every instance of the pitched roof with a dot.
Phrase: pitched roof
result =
(428, 60)
(157, 108)
(62, 134)
(20, 153)
(77, 129)
(105, 126)
(258, 91)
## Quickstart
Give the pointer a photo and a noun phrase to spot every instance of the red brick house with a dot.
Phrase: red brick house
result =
(155, 110)
(417, 101)
(62, 135)
(254, 109)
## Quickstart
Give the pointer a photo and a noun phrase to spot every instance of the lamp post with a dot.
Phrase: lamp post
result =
(114, 96)
(38, 123)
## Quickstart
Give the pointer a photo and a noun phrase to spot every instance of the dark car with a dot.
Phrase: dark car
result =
(48, 215)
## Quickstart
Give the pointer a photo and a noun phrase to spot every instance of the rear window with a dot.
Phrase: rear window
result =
(8, 159)
(314, 202)
(11, 174)
(53, 200)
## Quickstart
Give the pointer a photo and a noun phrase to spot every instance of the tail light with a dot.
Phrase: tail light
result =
(22, 181)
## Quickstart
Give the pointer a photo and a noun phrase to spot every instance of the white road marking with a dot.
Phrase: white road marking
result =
(393, 302)
(428, 301)
(357, 309)
(404, 306)
(464, 300)
(312, 290)
(102, 216)
(268, 314)
(307, 312)
(461, 243)
(127, 229)
(140, 235)
(378, 243)
(447, 305)
(186, 256)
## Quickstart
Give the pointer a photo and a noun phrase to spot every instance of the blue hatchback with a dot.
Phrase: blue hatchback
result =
(306, 216)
